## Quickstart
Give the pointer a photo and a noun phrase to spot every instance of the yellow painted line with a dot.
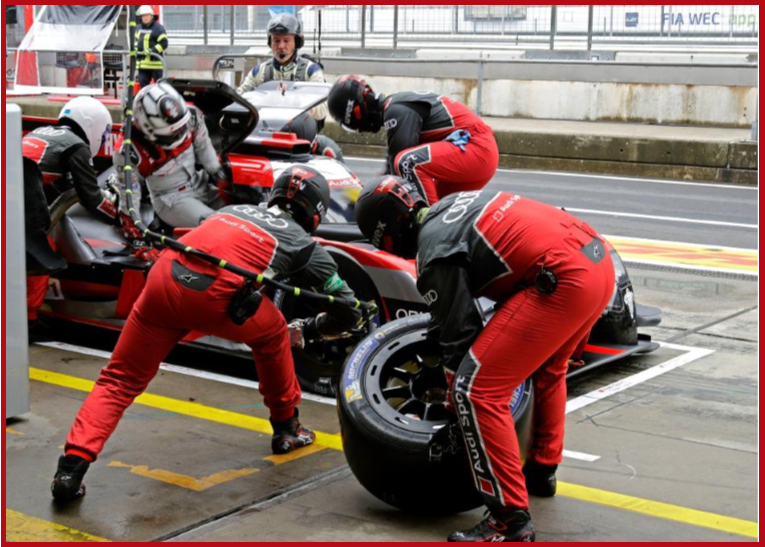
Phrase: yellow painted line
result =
(334, 442)
(192, 410)
(9, 431)
(298, 454)
(23, 528)
(699, 256)
(660, 510)
(183, 481)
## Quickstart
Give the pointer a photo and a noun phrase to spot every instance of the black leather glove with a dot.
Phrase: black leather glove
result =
(311, 327)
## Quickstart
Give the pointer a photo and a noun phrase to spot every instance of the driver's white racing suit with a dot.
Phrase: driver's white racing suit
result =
(181, 195)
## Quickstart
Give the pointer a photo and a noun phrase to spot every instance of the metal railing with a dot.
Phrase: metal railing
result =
(511, 26)
(59, 61)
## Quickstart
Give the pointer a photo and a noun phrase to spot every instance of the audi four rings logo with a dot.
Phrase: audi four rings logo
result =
(430, 297)
(460, 207)
(260, 214)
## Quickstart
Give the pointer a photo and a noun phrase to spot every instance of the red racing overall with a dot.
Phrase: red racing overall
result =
(184, 295)
(500, 245)
(439, 144)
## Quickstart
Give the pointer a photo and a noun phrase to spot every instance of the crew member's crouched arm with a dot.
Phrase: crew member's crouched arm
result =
(321, 273)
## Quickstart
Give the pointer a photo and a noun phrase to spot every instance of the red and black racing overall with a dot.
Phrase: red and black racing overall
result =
(65, 162)
(553, 278)
(438, 143)
(185, 295)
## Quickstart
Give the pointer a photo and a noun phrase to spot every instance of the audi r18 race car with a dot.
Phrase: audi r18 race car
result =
(103, 279)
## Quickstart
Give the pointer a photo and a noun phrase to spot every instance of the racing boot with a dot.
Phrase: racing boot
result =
(67, 484)
(512, 526)
(540, 479)
(290, 436)
(515, 526)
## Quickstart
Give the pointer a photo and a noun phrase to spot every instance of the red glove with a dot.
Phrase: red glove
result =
(130, 230)
(147, 254)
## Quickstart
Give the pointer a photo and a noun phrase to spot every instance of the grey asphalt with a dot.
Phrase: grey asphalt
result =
(694, 208)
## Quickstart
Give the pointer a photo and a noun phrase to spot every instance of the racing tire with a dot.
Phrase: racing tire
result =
(401, 443)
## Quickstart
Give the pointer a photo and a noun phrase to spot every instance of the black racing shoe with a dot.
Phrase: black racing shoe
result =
(515, 526)
(290, 435)
(67, 484)
(541, 480)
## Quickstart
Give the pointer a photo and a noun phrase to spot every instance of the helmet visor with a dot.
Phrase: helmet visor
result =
(173, 139)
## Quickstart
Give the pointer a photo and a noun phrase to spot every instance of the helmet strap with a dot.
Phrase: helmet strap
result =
(374, 108)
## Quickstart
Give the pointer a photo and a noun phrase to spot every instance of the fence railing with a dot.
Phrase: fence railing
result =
(566, 27)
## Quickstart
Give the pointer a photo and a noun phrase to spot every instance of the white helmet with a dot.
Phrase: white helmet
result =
(145, 10)
(161, 114)
(92, 117)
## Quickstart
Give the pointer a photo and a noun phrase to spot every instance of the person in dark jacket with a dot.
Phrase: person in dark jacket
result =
(57, 158)
(306, 128)
(552, 277)
(435, 142)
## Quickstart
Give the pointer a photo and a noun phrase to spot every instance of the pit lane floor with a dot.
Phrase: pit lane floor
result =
(663, 447)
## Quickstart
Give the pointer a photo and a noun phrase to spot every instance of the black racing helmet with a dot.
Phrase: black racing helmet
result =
(354, 105)
(304, 193)
(304, 126)
(386, 213)
(286, 23)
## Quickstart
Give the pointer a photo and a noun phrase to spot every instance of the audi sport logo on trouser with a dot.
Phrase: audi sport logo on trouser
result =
(407, 163)
(486, 481)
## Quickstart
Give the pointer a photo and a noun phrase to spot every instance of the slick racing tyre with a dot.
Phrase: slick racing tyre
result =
(401, 443)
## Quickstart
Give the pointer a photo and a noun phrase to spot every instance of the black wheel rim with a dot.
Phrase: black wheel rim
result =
(407, 388)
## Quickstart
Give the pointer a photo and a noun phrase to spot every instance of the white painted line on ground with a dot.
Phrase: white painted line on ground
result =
(76, 349)
(582, 457)
(664, 219)
(220, 378)
(633, 179)
(243, 383)
(691, 355)
(636, 215)
(600, 177)
(680, 266)
(368, 160)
